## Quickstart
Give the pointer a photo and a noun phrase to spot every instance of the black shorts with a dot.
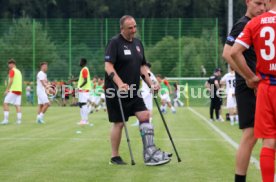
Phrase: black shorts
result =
(246, 104)
(130, 107)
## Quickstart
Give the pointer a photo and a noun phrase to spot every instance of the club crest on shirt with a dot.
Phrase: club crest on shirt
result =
(138, 49)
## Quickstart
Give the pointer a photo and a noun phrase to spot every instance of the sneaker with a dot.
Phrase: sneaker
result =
(117, 161)
(4, 122)
(18, 122)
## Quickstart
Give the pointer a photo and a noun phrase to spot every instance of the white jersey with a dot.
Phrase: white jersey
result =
(145, 88)
(40, 76)
(230, 81)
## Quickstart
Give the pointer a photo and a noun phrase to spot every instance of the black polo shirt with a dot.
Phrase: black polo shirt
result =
(127, 58)
(249, 54)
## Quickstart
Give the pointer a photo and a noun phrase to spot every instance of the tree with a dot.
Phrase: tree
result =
(18, 43)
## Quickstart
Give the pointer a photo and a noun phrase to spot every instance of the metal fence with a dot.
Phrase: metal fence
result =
(175, 47)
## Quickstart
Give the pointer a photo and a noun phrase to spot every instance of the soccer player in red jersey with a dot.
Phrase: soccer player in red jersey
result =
(260, 32)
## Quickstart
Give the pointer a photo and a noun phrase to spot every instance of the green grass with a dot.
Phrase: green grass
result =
(54, 152)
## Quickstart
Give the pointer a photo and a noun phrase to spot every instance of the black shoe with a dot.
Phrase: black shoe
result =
(117, 161)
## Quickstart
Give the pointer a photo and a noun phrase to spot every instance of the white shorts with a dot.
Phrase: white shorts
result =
(148, 101)
(42, 98)
(231, 101)
(83, 97)
(13, 99)
(165, 97)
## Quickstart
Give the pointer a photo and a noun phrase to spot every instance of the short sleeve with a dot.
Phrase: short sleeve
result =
(224, 78)
(111, 52)
(11, 73)
(245, 36)
(84, 73)
(236, 30)
(41, 76)
(166, 82)
(144, 58)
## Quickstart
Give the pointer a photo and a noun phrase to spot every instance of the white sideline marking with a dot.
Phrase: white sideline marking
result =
(225, 136)
(100, 139)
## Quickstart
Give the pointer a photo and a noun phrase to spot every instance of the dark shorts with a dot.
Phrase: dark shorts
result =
(246, 103)
(130, 107)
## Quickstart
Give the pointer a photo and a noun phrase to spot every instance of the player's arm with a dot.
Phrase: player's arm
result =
(217, 84)
(11, 76)
(226, 55)
(146, 77)
(109, 69)
(207, 86)
(236, 53)
(9, 85)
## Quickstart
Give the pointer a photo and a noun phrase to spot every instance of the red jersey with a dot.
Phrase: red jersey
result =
(261, 33)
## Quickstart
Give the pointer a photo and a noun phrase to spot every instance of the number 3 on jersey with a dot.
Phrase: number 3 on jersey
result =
(269, 42)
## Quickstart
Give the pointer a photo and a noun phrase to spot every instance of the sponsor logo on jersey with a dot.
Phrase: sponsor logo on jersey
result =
(230, 38)
(138, 49)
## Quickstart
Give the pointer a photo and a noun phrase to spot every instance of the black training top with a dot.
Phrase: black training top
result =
(127, 58)
(213, 87)
(249, 54)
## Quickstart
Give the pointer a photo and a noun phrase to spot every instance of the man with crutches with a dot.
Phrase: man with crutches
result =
(124, 64)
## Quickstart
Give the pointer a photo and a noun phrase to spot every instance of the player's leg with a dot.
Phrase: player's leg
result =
(84, 108)
(265, 128)
(212, 108)
(18, 109)
(114, 115)
(246, 102)
(168, 102)
(243, 154)
(152, 155)
(44, 104)
(10, 98)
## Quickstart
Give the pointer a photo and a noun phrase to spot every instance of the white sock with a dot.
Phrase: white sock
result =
(81, 113)
(237, 117)
(37, 117)
(41, 115)
(231, 118)
(150, 119)
(173, 109)
(19, 116)
(6, 115)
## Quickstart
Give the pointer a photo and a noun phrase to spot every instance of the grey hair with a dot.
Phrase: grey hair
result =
(123, 19)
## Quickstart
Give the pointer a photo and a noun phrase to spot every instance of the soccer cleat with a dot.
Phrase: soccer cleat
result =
(83, 122)
(18, 122)
(173, 111)
(117, 161)
(4, 122)
(211, 120)
(232, 123)
(40, 121)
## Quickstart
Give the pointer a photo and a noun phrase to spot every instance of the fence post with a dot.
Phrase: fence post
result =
(34, 56)
(217, 43)
(70, 47)
(179, 46)
(106, 31)
(143, 31)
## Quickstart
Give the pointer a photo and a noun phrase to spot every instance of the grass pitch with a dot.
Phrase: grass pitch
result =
(62, 151)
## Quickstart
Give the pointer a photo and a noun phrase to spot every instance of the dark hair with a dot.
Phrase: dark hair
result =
(148, 64)
(11, 61)
(124, 18)
(84, 61)
(159, 75)
(43, 63)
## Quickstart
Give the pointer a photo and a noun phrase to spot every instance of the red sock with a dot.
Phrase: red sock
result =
(267, 158)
